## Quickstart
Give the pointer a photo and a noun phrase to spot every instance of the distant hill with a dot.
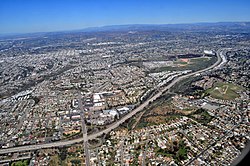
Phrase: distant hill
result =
(242, 27)
(222, 26)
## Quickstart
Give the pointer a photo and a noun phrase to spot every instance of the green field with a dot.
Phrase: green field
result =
(193, 64)
(225, 91)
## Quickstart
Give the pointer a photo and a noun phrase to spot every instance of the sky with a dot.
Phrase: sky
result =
(25, 16)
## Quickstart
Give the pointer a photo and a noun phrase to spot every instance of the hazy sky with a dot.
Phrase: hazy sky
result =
(21, 16)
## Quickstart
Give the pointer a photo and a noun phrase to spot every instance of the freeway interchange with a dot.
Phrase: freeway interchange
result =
(62, 143)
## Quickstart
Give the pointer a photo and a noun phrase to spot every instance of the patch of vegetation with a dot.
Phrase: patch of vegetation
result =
(144, 124)
(180, 62)
(68, 156)
(63, 153)
(36, 99)
(76, 162)
(189, 56)
(20, 163)
(178, 150)
(157, 112)
(95, 142)
(224, 91)
(201, 116)
(173, 117)
(181, 154)
(194, 64)
(130, 124)
(54, 160)
(185, 86)
(161, 101)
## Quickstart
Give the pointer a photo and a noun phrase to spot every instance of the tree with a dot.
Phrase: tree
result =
(63, 154)
(181, 154)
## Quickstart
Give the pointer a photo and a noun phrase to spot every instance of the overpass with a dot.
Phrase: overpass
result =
(115, 124)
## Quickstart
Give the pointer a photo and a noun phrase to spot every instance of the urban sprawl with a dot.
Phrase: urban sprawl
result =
(129, 97)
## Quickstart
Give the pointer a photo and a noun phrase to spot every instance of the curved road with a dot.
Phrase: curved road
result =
(116, 124)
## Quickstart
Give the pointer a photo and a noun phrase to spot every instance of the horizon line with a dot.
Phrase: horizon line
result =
(107, 25)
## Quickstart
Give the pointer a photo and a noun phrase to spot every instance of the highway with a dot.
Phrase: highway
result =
(117, 123)
(84, 132)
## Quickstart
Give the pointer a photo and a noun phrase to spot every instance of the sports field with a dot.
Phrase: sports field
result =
(225, 91)
(193, 64)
